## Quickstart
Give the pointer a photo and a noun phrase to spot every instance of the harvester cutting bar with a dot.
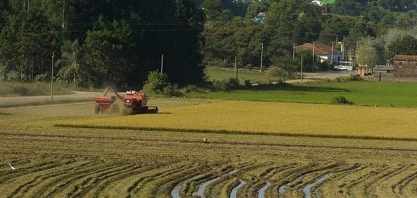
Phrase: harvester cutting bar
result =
(152, 109)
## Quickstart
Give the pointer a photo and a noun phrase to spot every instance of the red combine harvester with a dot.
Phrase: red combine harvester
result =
(133, 102)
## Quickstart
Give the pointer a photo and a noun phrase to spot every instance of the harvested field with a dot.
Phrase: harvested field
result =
(94, 162)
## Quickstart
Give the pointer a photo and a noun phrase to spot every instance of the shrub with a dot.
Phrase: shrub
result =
(156, 82)
(193, 88)
(348, 78)
(249, 67)
(226, 85)
(219, 86)
(341, 100)
(171, 90)
(275, 72)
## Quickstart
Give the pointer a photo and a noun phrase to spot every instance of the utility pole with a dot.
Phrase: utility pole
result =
(52, 76)
(331, 57)
(162, 64)
(312, 66)
(293, 50)
(301, 78)
(236, 69)
(63, 14)
(262, 51)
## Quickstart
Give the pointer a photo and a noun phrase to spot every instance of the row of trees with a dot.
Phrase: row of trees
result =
(120, 41)
(294, 22)
(95, 42)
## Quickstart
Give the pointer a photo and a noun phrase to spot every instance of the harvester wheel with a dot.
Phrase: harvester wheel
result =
(115, 109)
(97, 109)
(144, 109)
(127, 111)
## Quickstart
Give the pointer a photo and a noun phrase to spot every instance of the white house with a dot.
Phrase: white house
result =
(317, 2)
(325, 52)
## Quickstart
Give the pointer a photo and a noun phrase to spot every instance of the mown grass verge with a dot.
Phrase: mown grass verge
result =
(231, 132)
(30, 89)
(35, 102)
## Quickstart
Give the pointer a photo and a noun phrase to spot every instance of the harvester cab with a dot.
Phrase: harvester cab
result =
(134, 103)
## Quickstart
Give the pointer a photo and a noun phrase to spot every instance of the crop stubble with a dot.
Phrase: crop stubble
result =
(61, 162)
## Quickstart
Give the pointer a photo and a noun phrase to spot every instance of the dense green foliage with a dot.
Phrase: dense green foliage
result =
(119, 42)
(96, 43)
(371, 25)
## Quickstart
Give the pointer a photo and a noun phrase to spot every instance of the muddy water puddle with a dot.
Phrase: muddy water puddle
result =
(261, 192)
(233, 193)
(202, 188)
(307, 188)
(282, 189)
(175, 193)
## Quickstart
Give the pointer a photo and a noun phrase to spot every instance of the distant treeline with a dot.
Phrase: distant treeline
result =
(92, 43)
(269, 29)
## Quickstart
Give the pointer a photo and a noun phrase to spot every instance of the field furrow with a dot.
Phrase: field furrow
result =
(22, 176)
(143, 185)
(63, 184)
(410, 187)
(365, 177)
(79, 184)
(223, 186)
(25, 188)
(106, 180)
(163, 186)
(89, 184)
(387, 184)
(298, 180)
(336, 187)
(112, 189)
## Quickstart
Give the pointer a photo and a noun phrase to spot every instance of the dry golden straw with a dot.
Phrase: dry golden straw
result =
(271, 117)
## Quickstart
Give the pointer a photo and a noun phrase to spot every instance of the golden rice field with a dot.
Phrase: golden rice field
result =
(54, 161)
(271, 118)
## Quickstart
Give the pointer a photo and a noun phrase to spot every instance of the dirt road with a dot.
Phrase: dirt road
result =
(36, 100)
(308, 77)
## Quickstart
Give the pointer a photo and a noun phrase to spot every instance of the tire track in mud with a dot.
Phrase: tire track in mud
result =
(293, 176)
(410, 189)
(338, 183)
(405, 182)
(372, 189)
(61, 185)
(12, 181)
(261, 191)
(102, 177)
(365, 174)
(233, 193)
(203, 190)
(211, 188)
(296, 181)
(186, 190)
(119, 188)
(140, 182)
(271, 174)
(307, 188)
(41, 176)
(165, 185)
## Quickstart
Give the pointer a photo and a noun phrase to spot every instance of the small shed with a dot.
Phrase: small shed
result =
(405, 66)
